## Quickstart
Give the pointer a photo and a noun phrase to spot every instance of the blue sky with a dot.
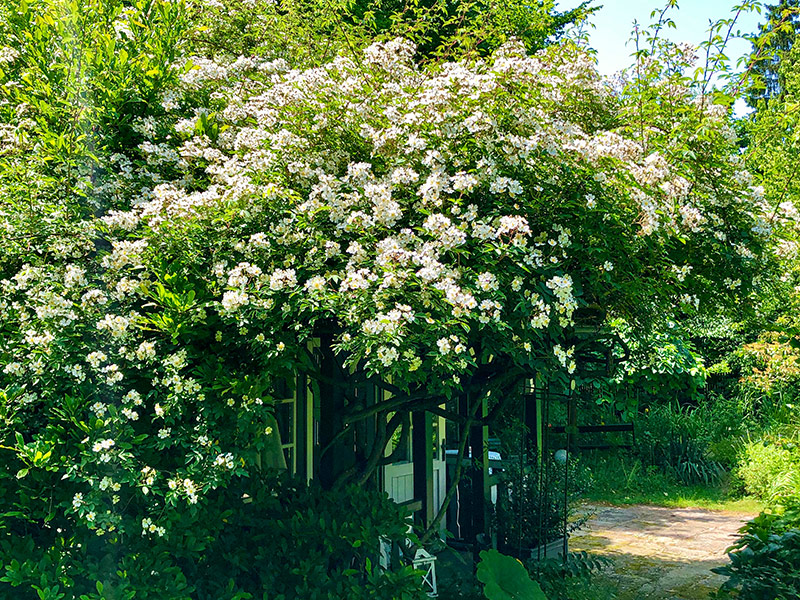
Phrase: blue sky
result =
(614, 22)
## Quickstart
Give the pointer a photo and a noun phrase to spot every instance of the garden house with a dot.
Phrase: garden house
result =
(418, 461)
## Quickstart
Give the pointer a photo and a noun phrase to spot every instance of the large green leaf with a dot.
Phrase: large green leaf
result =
(504, 578)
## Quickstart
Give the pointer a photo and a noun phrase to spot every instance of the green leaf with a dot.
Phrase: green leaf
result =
(505, 578)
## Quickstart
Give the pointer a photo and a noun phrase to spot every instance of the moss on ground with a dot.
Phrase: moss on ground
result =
(650, 559)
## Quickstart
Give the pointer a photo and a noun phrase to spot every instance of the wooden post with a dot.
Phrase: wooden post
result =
(572, 422)
(301, 427)
(422, 455)
(339, 455)
(481, 490)
(534, 421)
(371, 431)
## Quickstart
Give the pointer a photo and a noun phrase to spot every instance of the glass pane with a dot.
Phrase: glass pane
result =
(289, 454)
(284, 388)
(285, 416)
(400, 444)
(435, 437)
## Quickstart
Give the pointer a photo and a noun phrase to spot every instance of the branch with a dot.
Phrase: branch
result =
(500, 405)
(390, 405)
(345, 429)
(355, 381)
(392, 389)
(396, 421)
(378, 447)
(447, 414)
(721, 49)
(659, 26)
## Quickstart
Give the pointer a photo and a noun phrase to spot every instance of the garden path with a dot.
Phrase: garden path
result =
(660, 553)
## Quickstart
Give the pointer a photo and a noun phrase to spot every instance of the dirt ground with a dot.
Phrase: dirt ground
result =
(660, 553)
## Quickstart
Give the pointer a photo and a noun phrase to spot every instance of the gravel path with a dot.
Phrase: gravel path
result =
(660, 553)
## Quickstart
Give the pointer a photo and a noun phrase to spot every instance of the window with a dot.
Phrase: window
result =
(286, 415)
(400, 444)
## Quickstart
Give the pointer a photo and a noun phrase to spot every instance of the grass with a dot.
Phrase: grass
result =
(687, 497)
(621, 480)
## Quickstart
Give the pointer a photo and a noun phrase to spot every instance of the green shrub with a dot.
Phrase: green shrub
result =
(770, 468)
(294, 29)
(530, 508)
(765, 561)
(162, 268)
(570, 579)
(263, 538)
(678, 440)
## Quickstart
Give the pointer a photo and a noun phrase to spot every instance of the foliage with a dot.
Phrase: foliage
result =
(771, 57)
(94, 499)
(446, 258)
(770, 375)
(770, 468)
(677, 449)
(765, 560)
(255, 538)
(657, 367)
(772, 147)
(766, 361)
(77, 75)
(454, 29)
(766, 569)
(679, 439)
(619, 479)
(313, 33)
(505, 578)
(76, 82)
(183, 233)
(559, 579)
(530, 507)
(572, 578)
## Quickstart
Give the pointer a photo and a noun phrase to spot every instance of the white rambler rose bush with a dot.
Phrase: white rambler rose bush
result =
(478, 194)
(430, 218)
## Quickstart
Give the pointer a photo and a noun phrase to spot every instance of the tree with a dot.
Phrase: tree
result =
(772, 53)
(772, 149)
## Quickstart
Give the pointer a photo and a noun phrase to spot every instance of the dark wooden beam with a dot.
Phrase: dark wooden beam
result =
(481, 500)
(338, 446)
(422, 453)
(572, 421)
(533, 421)
(371, 428)
(301, 427)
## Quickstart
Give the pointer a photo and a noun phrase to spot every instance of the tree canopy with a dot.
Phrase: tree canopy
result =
(772, 52)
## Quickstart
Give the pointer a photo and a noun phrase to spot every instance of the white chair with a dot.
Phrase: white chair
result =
(426, 562)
